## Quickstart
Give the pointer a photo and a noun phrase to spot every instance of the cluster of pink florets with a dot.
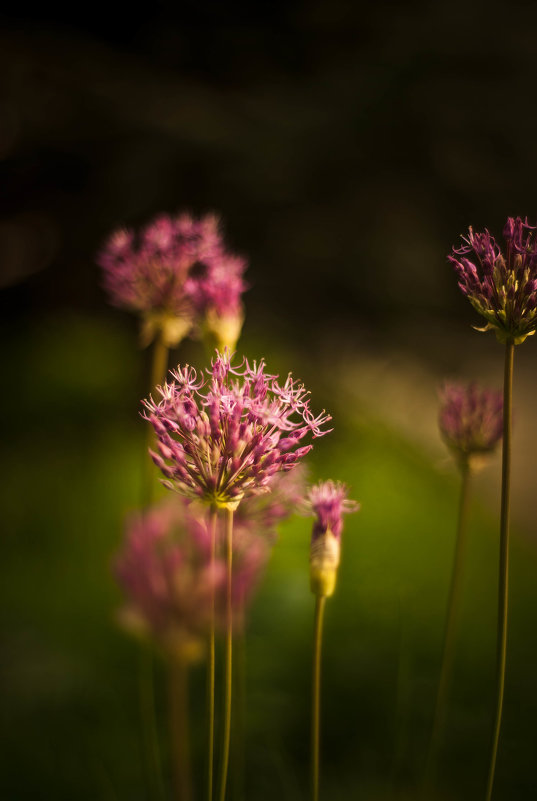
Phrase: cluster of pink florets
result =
(170, 580)
(226, 436)
(470, 418)
(328, 502)
(175, 267)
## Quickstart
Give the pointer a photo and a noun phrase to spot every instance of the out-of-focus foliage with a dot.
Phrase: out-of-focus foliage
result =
(72, 468)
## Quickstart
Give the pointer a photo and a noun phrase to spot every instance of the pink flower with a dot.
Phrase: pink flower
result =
(502, 287)
(470, 419)
(225, 437)
(328, 502)
(164, 569)
(176, 272)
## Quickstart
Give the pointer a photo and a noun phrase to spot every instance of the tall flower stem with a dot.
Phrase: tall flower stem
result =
(239, 705)
(503, 581)
(228, 653)
(316, 695)
(179, 729)
(448, 648)
(211, 666)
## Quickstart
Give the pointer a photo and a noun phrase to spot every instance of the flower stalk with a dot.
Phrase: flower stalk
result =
(448, 647)
(212, 660)
(327, 500)
(228, 668)
(316, 695)
(503, 578)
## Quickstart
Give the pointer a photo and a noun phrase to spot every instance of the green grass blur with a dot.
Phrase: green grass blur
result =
(71, 468)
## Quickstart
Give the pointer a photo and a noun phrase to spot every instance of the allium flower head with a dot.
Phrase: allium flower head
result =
(502, 287)
(168, 270)
(470, 420)
(328, 501)
(225, 436)
(165, 571)
(216, 292)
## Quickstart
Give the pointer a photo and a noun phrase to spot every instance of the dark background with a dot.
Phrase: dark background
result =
(346, 147)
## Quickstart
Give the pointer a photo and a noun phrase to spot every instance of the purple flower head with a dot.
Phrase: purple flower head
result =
(165, 572)
(166, 270)
(328, 502)
(215, 291)
(502, 287)
(225, 436)
(470, 420)
(164, 569)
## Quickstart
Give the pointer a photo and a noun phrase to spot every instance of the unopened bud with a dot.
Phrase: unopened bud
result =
(324, 563)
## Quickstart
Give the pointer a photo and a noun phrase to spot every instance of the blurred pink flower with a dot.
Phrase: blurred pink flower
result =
(470, 419)
(176, 272)
(164, 569)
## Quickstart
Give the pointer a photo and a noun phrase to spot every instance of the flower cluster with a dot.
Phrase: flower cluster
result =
(226, 436)
(470, 420)
(328, 501)
(178, 274)
(502, 287)
(165, 571)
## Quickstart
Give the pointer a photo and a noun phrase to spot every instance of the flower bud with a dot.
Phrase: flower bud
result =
(324, 562)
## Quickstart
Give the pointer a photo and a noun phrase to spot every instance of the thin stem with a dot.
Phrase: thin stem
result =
(149, 722)
(146, 666)
(503, 580)
(316, 696)
(179, 729)
(448, 648)
(239, 705)
(212, 662)
(228, 655)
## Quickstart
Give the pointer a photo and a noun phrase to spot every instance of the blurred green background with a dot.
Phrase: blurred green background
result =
(346, 148)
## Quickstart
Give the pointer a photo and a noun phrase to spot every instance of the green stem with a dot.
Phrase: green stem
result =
(316, 696)
(239, 704)
(212, 662)
(149, 722)
(146, 667)
(448, 648)
(228, 654)
(179, 729)
(503, 581)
